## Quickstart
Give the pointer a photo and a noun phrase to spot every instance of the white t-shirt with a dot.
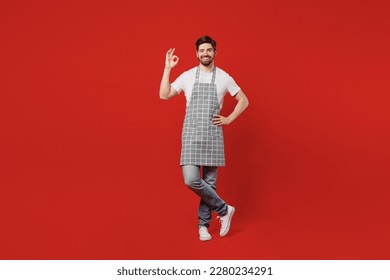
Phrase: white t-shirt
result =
(225, 83)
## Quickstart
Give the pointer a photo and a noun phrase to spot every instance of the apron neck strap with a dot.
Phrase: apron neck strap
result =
(214, 71)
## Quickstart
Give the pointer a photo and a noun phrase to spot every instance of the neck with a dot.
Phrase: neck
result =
(208, 68)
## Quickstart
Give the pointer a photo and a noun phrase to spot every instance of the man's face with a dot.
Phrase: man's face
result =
(205, 54)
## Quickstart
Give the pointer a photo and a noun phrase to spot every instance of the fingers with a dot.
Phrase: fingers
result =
(170, 52)
(220, 120)
(217, 117)
(217, 120)
(171, 60)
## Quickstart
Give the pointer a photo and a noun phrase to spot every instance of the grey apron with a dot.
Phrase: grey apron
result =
(202, 141)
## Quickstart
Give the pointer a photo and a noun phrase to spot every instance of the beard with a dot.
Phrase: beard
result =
(206, 62)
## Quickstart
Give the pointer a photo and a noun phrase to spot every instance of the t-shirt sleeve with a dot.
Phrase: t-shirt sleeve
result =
(178, 84)
(232, 87)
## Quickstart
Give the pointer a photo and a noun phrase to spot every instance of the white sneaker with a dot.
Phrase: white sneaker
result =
(204, 234)
(225, 221)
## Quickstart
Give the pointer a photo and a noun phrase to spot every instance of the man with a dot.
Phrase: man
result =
(202, 141)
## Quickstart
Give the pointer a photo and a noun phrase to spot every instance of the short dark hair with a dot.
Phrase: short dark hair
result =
(206, 39)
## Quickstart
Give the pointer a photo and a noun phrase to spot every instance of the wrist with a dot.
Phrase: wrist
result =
(229, 120)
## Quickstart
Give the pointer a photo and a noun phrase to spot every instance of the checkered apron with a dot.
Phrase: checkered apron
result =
(202, 141)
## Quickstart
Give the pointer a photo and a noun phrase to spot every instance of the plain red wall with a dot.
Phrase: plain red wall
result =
(90, 154)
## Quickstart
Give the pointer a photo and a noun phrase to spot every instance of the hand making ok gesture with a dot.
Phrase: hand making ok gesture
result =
(170, 59)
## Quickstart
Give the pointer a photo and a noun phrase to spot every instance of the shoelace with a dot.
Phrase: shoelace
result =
(220, 219)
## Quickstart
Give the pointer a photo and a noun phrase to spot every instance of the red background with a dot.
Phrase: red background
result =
(90, 154)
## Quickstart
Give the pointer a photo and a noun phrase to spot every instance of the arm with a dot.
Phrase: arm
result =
(166, 91)
(242, 104)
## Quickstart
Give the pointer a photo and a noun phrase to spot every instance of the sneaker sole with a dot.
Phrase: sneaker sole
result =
(228, 227)
(205, 239)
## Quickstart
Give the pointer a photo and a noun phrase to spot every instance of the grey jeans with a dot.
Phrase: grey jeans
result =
(205, 188)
